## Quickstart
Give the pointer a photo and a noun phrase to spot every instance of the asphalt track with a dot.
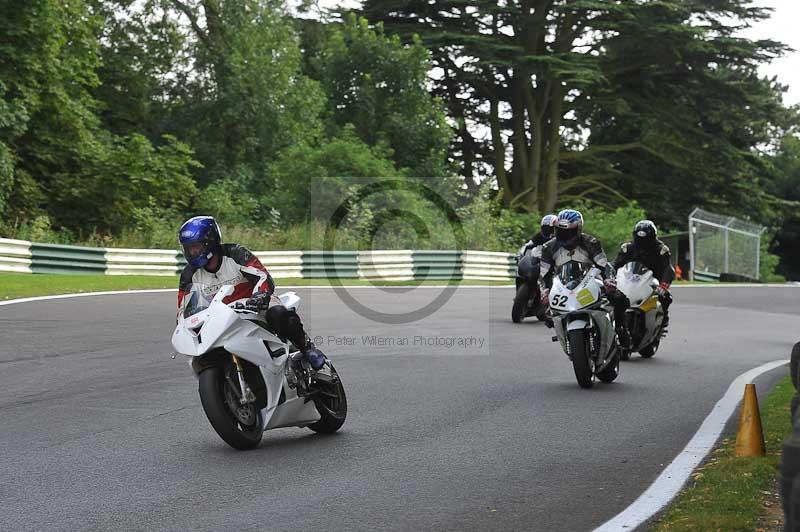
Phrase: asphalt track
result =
(101, 430)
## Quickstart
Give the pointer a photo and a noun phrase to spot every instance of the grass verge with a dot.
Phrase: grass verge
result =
(726, 493)
(16, 285)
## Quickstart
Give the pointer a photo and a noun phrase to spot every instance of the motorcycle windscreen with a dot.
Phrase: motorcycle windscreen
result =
(635, 268)
(572, 273)
(198, 299)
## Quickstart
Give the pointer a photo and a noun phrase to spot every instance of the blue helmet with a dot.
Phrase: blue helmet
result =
(201, 239)
(569, 228)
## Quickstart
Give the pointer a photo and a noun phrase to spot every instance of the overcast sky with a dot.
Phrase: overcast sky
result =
(782, 26)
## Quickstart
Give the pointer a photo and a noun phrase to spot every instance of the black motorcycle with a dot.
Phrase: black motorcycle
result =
(528, 300)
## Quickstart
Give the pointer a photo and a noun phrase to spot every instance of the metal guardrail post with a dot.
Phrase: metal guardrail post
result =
(726, 264)
(692, 236)
(758, 253)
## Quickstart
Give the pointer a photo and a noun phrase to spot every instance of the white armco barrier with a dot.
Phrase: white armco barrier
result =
(142, 261)
(391, 265)
(15, 256)
(386, 265)
(282, 263)
(487, 265)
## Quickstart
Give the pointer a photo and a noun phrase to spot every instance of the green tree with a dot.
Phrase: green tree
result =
(526, 71)
(314, 179)
(680, 84)
(247, 99)
(125, 177)
(785, 184)
(143, 70)
(514, 69)
(60, 161)
(378, 85)
(47, 66)
(129, 174)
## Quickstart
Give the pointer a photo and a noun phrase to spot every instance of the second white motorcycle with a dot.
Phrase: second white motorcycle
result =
(645, 316)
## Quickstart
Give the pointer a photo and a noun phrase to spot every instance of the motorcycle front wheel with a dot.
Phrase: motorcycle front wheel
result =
(240, 426)
(331, 403)
(581, 358)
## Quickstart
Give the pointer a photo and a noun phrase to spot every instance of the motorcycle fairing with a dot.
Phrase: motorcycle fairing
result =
(587, 319)
(639, 285)
(248, 341)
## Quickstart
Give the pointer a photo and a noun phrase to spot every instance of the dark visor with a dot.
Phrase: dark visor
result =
(566, 235)
(193, 250)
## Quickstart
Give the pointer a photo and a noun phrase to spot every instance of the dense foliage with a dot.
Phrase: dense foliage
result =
(118, 118)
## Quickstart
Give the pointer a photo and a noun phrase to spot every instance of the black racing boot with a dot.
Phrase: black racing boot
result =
(624, 338)
(318, 361)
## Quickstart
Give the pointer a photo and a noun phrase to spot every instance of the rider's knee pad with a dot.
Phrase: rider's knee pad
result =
(286, 323)
(294, 326)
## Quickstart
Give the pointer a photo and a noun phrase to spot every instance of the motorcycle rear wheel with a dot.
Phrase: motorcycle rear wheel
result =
(220, 413)
(581, 363)
(331, 403)
(611, 371)
(520, 307)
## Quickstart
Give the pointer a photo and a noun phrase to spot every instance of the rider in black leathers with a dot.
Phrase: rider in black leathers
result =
(546, 232)
(648, 250)
(547, 229)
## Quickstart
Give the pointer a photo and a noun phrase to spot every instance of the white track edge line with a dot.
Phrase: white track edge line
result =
(164, 290)
(85, 294)
(322, 286)
(670, 482)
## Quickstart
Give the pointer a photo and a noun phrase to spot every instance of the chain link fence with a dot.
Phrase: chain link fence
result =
(723, 245)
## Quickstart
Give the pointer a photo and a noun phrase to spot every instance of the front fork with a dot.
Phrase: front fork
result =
(246, 395)
(591, 343)
(591, 333)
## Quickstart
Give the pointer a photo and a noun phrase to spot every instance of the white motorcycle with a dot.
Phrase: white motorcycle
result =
(249, 379)
(584, 323)
(645, 315)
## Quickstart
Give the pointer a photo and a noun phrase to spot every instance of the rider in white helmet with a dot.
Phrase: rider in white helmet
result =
(547, 229)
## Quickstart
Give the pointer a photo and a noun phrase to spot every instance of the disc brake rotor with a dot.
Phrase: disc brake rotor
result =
(245, 414)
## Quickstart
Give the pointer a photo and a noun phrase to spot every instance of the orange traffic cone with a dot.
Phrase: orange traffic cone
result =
(750, 438)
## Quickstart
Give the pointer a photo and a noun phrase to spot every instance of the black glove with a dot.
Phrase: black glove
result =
(258, 302)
